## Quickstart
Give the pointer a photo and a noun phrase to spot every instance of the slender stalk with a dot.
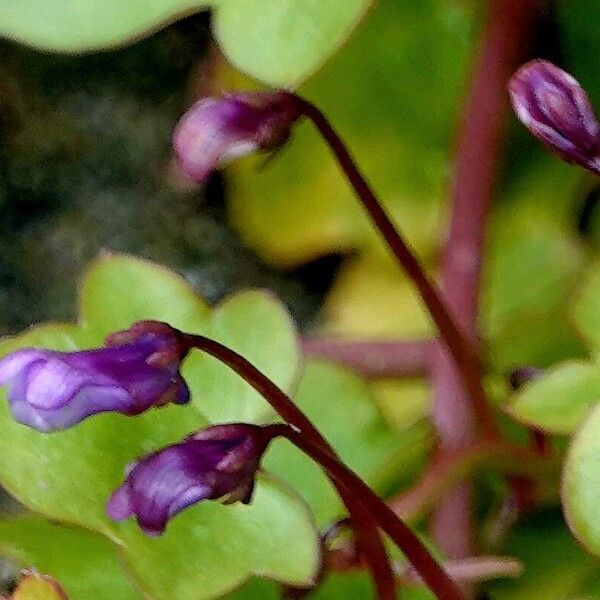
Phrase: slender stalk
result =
(373, 358)
(429, 569)
(460, 347)
(504, 43)
(307, 436)
(371, 547)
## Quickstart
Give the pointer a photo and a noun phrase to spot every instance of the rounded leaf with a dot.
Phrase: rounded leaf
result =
(581, 483)
(559, 401)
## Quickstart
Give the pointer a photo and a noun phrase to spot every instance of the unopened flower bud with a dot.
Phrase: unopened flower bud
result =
(557, 110)
(50, 390)
(217, 130)
(219, 462)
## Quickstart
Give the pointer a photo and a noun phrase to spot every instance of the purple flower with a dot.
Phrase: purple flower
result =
(51, 390)
(557, 110)
(219, 462)
(217, 130)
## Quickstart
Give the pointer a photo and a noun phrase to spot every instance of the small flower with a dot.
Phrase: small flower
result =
(217, 130)
(51, 390)
(219, 462)
(557, 110)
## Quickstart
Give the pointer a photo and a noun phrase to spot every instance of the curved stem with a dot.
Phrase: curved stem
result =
(371, 547)
(415, 551)
(462, 350)
(307, 436)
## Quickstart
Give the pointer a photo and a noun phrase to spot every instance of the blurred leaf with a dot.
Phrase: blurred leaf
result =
(69, 475)
(378, 94)
(347, 586)
(34, 586)
(586, 312)
(85, 563)
(359, 301)
(533, 264)
(253, 323)
(343, 408)
(556, 567)
(581, 483)
(559, 401)
(280, 43)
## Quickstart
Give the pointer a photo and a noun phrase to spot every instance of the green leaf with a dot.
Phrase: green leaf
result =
(284, 41)
(586, 311)
(558, 402)
(280, 43)
(85, 563)
(556, 567)
(253, 323)
(69, 475)
(34, 586)
(581, 483)
(341, 405)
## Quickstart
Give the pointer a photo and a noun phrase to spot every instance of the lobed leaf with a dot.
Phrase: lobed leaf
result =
(280, 43)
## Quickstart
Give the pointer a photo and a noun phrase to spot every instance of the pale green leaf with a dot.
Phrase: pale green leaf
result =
(581, 483)
(586, 312)
(68, 476)
(85, 563)
(558, 402)
(280, 43)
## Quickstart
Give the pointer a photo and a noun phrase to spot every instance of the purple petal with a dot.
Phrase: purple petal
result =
(119, 506)
(16, 361)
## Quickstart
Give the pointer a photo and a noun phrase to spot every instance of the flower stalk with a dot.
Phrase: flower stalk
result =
(302, 433)
(460, 347)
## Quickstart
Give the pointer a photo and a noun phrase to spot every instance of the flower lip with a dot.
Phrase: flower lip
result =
(557, 110)
(219, 462)
(51, 390)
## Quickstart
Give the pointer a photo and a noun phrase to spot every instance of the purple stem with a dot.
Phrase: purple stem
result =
(505, 43)
(373, 358)
(458, 344)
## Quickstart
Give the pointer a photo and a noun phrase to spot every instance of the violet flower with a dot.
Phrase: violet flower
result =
(219, 462)
(217, 130)
(50, 390)
(557, 110)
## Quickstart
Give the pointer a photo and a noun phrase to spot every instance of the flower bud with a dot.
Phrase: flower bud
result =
(217, 130)
(50, 390)
(556, 109)
(219, 462)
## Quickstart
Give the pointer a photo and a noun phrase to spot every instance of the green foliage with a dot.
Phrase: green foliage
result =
(279, 43)
(342, 405)
(556, 567)
(85, 563)
(559, 401)
(395, 126)
(581, 483)
(586, 313)
(68, 476)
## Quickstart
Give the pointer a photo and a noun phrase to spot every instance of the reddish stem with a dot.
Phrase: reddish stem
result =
(429, 569)
(308, 437)
(505, 42)
(373, 358)
(458, 345)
